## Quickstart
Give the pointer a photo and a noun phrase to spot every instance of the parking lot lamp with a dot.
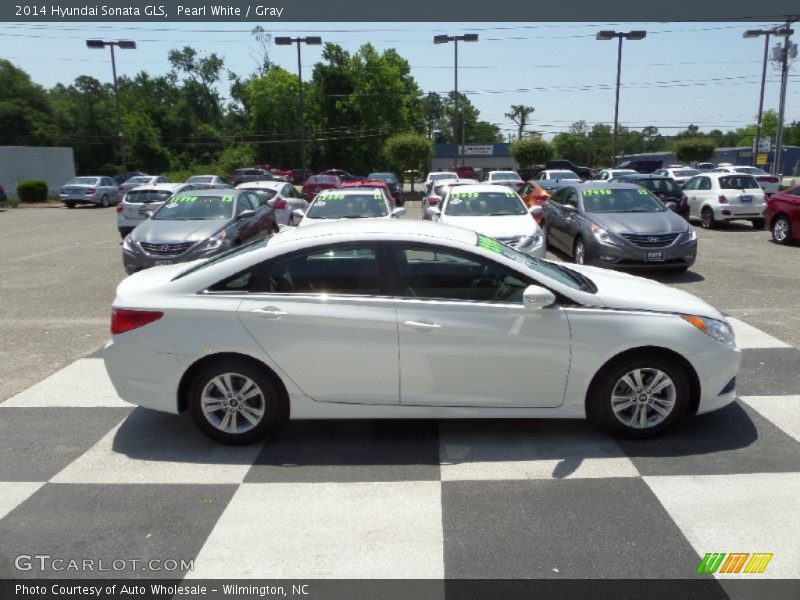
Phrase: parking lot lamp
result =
(443, 39)
(619, 35)
(311, 41)
(125, 45)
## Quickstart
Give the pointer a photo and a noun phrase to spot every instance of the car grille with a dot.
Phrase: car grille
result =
(651, 240)
(167, 248)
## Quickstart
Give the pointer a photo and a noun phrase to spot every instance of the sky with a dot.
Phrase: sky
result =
(681, 73)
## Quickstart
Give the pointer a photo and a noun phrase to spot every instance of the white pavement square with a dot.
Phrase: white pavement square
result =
(749, 337)
(327, 531)
(177, 460)
(84, 383)
(783, 411)
(737, 513)
(502, 451)
(14, 493)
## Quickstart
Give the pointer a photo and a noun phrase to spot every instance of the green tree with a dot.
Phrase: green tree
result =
(26, 115)
(408, 151)
(274, 120)
(691, 150)
(532, 151)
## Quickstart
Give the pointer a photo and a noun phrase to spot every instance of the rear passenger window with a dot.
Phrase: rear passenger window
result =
(332, 270)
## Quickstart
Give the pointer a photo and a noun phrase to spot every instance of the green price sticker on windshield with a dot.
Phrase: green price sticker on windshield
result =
(464, 194)
(227, 199)
(182, 199)
(643, 192)
(334, 196)
(600, 192)
(490, 244)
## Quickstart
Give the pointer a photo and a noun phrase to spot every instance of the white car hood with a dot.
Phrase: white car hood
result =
(624, 291)
(308, 221)
(496, 227)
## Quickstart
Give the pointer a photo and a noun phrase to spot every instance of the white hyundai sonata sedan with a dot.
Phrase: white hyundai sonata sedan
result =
(375, 319)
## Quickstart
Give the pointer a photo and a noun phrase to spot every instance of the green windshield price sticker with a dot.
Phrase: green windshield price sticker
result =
(464, 194)
(488, 243)
(334, 196)
(643, 192)
(227, 199)
(601, 192)
(182, 199)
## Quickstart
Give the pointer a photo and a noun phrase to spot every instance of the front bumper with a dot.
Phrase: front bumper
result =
(139, 260)
(716, 371)
(675, 256)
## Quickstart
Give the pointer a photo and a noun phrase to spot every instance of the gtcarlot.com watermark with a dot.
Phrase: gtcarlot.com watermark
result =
(46, 562)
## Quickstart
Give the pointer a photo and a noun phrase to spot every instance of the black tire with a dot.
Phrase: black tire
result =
(599, 401)
(707, 220)
(781, 230)
(275, 406)
(757, 223)
(69, 204)
(104, 201)
(579, 252)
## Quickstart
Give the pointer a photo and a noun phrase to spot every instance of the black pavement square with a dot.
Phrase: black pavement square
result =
(578, 528)
(111, 522)
(349, 451)
(36, 443)
(735, 439)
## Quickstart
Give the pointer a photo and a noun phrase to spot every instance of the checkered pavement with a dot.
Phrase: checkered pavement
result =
(83, 474)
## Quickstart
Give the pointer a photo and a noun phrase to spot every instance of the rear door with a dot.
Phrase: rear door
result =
(324, 318)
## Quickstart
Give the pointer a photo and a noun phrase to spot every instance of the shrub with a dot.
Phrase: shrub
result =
(693, 150)
(531, 151)
(33, 190)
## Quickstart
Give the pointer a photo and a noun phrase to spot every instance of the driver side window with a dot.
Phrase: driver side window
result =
(434, 272)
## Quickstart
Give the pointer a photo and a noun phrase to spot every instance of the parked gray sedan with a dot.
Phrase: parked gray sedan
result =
(618, 225)
(197, 224)
(97, 190)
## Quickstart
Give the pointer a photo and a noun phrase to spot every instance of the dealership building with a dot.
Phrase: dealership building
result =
(488, 157)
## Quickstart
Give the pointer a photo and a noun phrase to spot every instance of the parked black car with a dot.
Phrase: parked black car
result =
(299, 176)
(342, 175)
(665, 189)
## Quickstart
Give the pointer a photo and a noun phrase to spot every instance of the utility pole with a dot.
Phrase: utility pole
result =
(788, 48)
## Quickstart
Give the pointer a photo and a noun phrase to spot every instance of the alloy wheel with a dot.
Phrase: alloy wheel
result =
(643, 398)
(780, 230)
(233, 403)
(580, 253)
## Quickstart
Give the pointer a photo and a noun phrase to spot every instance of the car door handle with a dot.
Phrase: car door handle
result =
(270, 312)
(423, 325)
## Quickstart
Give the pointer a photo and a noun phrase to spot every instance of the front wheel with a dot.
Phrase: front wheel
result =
(104, 201)
(639, 398)
(781, 230)
(235, 402)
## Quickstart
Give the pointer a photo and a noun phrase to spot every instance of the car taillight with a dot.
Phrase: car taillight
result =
(123, 320)
(684, 199)
(433, 200)
(723, 199)
(280, 204)
(90, 191)
(119, 206)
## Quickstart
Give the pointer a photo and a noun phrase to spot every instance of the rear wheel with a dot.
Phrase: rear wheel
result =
(707, 219)
(104, 201)
(235, 402)
(639, 398)
(781, 230)
(757, 223)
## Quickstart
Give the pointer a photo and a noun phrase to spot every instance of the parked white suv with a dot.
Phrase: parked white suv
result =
(715, 197)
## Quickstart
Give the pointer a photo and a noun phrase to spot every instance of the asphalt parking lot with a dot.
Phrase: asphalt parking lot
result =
(59, 269)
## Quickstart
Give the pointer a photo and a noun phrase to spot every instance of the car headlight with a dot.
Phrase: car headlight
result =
(214, 242)
(719, 330)
(690, 235)
(603, 236)
(129, 245)
(531, 241)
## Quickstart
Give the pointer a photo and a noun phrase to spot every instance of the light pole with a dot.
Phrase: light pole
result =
(754, 33)
(443, 39)
(124, 45)
(619, 35)
(311, 41)
(785, 52)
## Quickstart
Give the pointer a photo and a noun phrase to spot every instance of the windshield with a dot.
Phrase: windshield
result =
(738, 182)
(437, 176)
(139, 196)
(750, 171)
(506, 175)
(686, 173)
(348, 206)
(563, 175)
(321, 179)
(659, 186)
(484, 204)
(265, 194)
(620, 200)
(83, 181)
(388, 177)
(183, 207)
(236, 251)
(138, 180)
(200, 179)
(549, 269)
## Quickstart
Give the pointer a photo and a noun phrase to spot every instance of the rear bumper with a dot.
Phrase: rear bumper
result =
(731, 212)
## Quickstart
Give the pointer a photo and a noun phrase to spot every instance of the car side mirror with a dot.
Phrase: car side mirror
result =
(535, 210)
(398, 212)
(298, 212)
(536, 297)
(245, 214)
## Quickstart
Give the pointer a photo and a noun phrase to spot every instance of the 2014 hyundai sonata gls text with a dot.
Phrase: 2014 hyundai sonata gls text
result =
(376, 318)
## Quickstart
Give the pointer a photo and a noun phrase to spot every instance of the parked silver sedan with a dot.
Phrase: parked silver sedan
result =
(138, 180)
(95, 189)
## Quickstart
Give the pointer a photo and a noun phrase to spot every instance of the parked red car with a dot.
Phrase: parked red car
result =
(782, 216)
(317, 183)
(466, 172)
